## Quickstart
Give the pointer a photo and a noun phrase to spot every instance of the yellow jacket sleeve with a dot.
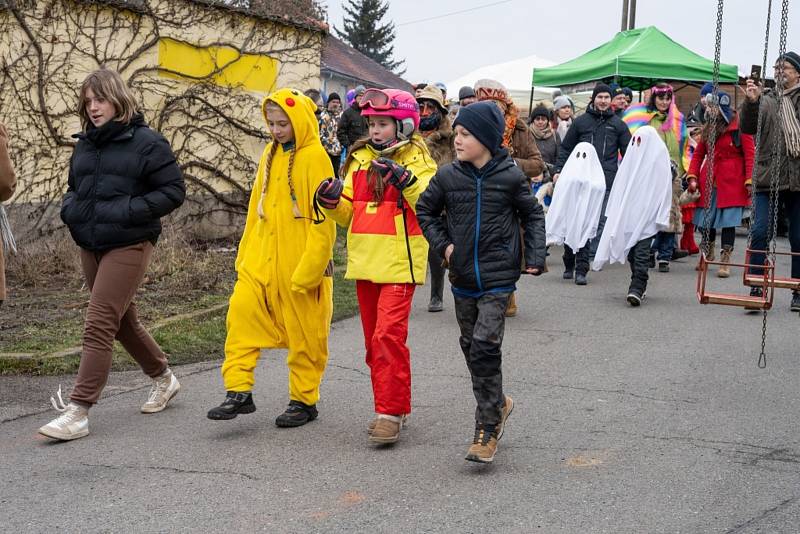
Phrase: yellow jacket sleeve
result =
(320, 239)
(423, 167)
(343, 213)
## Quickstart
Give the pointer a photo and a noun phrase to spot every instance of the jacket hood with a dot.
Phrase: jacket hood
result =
(300, 110)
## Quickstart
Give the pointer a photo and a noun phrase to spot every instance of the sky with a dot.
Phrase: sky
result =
(444, 48)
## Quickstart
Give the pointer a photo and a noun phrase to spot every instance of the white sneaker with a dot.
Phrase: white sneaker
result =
(73, 423)
(164, 388)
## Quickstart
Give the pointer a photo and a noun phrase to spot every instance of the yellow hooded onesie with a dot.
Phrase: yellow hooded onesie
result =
(283, 296)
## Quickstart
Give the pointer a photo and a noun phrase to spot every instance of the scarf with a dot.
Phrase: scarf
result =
(5, 232)
(791, 125)
(563, 126)
(543, 133)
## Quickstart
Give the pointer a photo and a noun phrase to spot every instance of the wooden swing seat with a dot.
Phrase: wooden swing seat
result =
(763, 302)
(780, 282)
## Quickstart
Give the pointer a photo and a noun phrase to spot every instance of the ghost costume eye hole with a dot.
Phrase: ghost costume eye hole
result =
(638, 141)
(584, 155)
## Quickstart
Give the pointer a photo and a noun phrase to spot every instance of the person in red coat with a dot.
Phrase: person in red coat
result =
(731, 188)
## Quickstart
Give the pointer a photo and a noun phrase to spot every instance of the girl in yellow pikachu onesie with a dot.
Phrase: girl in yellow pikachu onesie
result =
(283, 296)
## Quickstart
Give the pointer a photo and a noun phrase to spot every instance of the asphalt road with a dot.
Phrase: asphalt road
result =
(653, 419)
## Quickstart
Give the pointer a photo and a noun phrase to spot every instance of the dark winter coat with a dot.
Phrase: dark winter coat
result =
(122, 179)
(770, 126)
(440, 143)
(733, 166)
(605, 131)
(484, 210)
(8, 182)
(352, 127)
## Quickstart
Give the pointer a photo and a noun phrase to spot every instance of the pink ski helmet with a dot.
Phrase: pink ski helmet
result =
(400, 105)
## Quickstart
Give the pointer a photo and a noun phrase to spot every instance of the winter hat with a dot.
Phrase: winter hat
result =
(627, 91)
(486, 89)
(360, 89)
(485, 121)
(601, 88)
(466, 92)
(540, 111)
(334, 96)
(792, 58)
(616, 90)
(725, 105)
(707, 88)
(562, 101)
(431, 92)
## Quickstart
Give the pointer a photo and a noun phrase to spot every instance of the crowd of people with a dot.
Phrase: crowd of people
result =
(479, 192)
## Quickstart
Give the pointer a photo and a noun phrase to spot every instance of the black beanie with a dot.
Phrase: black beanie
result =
(466, 92)
(540, 111)
(601, 88)
(793, 59)
(485, 121)
(334, 96)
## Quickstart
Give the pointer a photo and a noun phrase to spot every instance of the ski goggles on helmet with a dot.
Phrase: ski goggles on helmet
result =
(378, 100)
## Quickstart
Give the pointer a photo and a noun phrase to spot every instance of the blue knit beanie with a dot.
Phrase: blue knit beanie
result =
(707, 88)
(485, 121)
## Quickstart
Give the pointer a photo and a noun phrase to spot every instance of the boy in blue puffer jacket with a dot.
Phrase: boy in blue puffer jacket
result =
(487, 197)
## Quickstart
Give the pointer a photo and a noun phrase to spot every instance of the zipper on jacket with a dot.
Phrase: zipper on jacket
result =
(94, 198)
(479, 179)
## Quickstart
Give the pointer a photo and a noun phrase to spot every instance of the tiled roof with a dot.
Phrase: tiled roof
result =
(345, 60)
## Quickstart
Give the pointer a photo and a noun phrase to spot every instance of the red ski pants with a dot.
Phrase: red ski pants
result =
(384, 316)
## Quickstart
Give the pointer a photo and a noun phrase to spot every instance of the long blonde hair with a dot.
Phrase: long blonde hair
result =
(268, 166)
(374, 181)
(108, 84)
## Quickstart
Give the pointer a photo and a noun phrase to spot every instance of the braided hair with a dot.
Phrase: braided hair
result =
(267, 168)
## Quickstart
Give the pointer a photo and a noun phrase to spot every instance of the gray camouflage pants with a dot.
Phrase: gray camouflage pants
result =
(482, 321)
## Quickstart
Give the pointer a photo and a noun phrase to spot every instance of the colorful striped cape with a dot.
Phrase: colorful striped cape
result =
(637, 116)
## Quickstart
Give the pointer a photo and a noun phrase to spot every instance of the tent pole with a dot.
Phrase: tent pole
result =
(632, 20)
(624, 15)
(530, 103)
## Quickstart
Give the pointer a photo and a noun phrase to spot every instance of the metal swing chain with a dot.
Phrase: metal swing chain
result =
(712, 138)
(758, 128)
(780, 158)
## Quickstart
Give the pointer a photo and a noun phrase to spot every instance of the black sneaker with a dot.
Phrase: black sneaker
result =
(795, 301)
(297, 414)
(757, 291)
(652, 261)
(679, 253)
(234, 404)
(580, 279)
(568, 274)
(635, 297)
(663, 266)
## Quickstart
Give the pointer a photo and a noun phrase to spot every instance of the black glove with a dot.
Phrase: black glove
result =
(393, 173)
(329, 192)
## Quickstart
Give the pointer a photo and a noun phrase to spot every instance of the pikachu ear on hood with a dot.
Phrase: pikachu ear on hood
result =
(300, 110)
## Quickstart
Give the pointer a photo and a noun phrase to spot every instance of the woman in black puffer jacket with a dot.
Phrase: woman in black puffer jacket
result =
(123, 178)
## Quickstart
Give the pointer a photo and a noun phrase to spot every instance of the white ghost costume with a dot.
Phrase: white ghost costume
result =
(640, 199)
(577, 200)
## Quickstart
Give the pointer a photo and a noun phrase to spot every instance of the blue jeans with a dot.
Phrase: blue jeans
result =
(663, 245)
(762, 227)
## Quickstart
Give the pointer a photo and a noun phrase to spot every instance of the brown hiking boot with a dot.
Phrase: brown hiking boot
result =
(725, 257)
(511, 309)
(386, 429)
(508, 407)
(372, 423)
(484, 446)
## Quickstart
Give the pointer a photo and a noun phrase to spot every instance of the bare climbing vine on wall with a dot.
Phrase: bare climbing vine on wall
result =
(216, 130)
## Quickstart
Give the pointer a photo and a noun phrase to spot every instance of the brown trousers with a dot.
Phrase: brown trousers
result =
(113, 277)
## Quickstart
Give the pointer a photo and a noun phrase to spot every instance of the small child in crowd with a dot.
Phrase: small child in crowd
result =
(488, 200)
(283, 297)
(386, 251)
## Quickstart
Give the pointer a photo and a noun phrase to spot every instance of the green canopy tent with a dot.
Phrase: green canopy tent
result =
(636, 59)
